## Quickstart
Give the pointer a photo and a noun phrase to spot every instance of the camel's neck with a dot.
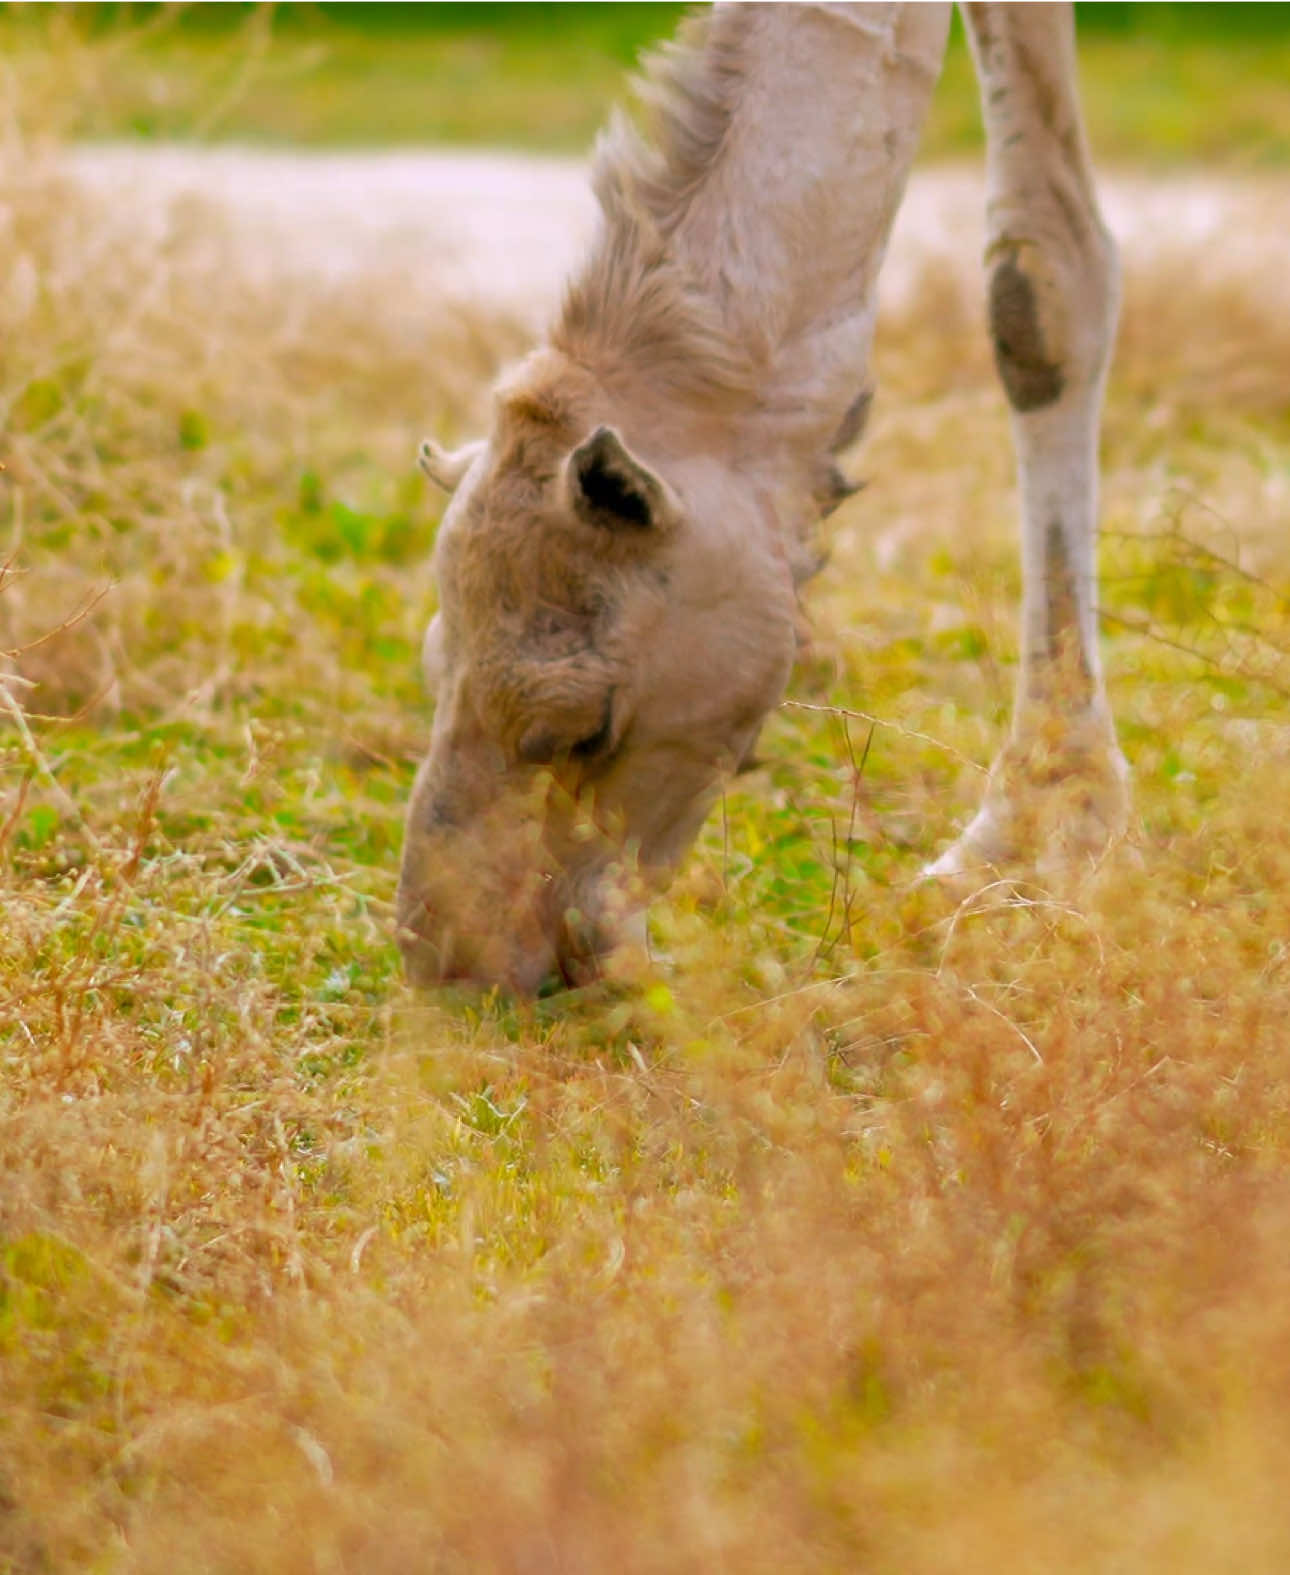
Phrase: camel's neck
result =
(743, 251)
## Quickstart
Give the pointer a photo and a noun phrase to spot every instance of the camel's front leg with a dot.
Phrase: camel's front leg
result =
(1059, 791)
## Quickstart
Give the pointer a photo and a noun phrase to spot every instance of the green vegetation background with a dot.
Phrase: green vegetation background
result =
(1163, 83)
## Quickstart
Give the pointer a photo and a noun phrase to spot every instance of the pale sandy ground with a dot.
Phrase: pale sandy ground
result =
(502, 230)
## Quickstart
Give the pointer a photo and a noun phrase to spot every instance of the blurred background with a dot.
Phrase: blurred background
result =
(1163, 83)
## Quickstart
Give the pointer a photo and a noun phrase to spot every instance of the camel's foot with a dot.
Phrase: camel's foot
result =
(1046, 811)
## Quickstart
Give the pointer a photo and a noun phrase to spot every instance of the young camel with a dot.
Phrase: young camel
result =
(620, 562)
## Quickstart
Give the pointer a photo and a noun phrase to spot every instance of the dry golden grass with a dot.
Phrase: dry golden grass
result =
(877, 1233)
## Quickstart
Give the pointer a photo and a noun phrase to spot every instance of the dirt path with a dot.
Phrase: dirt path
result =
(502, 230)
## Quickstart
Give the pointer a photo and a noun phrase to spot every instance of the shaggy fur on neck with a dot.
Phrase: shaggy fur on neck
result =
(632, 314)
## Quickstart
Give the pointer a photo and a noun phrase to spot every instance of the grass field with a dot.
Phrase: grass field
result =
(875, 1231)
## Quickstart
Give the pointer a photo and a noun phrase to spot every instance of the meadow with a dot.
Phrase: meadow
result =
(877, 1227)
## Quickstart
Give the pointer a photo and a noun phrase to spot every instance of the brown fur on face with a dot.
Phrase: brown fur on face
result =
(619, 566)
(602, 667)
(534, 594)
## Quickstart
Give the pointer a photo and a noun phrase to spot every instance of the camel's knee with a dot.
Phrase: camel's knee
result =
(1052, 314)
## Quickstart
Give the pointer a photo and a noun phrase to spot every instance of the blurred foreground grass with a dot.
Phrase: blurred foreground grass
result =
(1163, 84)
(877, 1232)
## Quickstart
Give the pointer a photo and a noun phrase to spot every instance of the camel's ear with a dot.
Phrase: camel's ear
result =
(609, 486)
(446, 467)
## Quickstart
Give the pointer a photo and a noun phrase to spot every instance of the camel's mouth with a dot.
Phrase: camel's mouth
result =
(442, 964)
(436, 954)
(560, 938)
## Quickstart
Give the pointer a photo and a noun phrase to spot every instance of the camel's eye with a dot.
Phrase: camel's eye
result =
(540, 746)
(595, 744)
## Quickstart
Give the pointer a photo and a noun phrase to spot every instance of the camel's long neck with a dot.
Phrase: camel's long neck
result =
(788, 226)
(727, 308)
(744, 248)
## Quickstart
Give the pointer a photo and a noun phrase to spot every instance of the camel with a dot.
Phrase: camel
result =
(620, 563)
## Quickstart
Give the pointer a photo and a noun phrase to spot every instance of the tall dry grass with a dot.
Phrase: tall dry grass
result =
(879, 1232)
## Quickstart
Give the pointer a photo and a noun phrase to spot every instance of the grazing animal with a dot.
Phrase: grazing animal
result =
(620, 563)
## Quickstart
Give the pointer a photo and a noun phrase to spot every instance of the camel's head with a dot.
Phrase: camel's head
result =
(609, 641)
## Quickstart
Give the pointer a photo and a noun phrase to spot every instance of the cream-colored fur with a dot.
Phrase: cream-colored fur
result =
(620, 562)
